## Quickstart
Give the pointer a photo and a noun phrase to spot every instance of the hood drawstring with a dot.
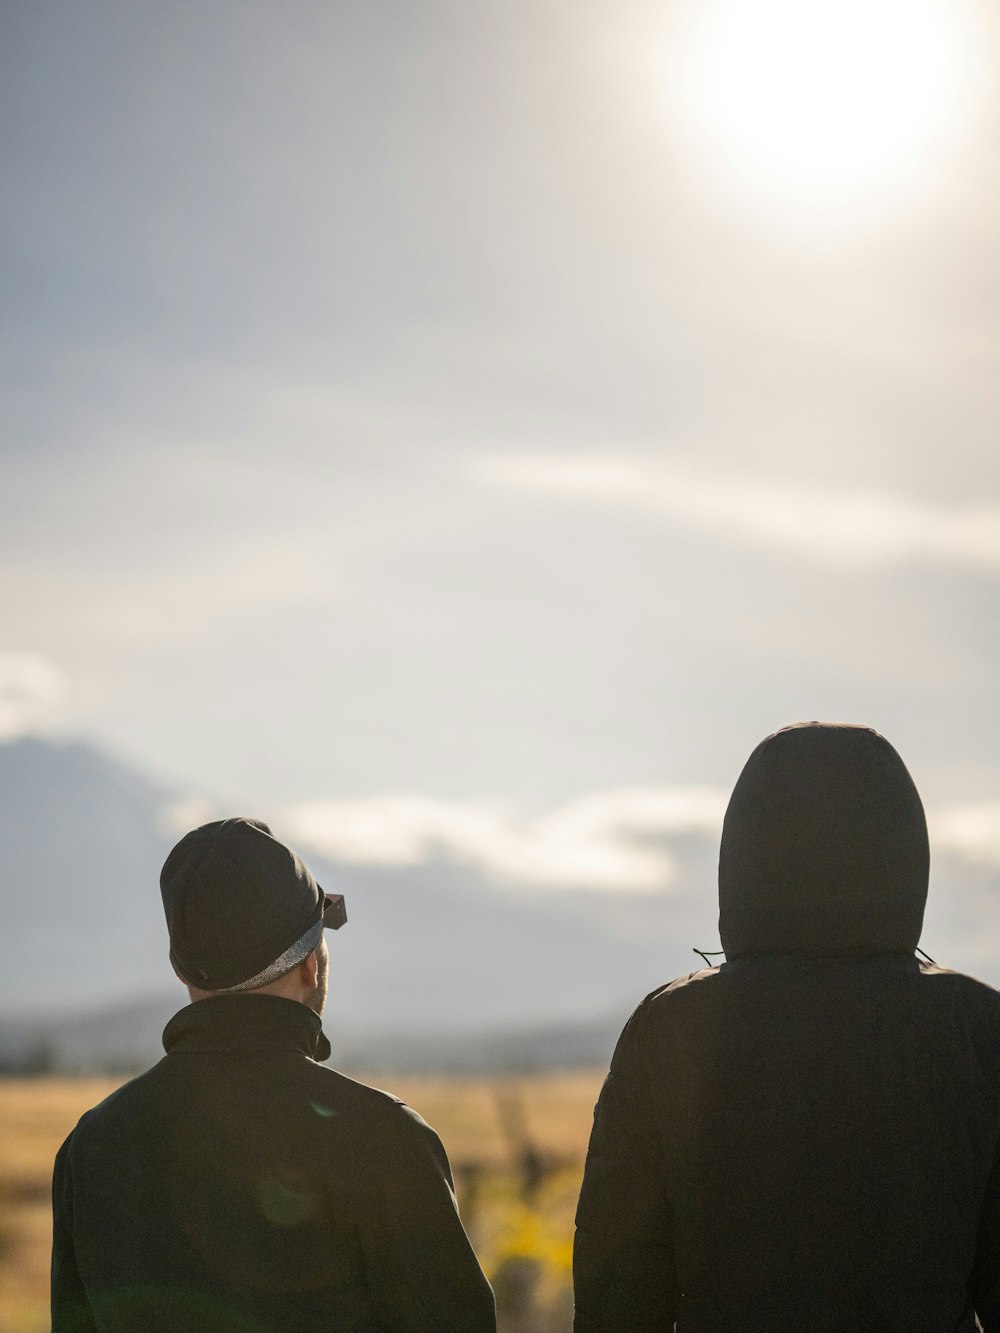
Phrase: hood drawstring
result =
(717, 953)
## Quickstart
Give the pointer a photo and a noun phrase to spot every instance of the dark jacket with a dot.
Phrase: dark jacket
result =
(804, 1138)
(240, 1187)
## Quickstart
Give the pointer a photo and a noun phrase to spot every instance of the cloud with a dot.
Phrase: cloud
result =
(970, 831)
(850, 529)
(610, 841)
(613, 840)
(186, 813)
(31, 690)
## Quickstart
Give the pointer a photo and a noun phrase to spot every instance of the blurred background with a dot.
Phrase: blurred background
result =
(456, 434)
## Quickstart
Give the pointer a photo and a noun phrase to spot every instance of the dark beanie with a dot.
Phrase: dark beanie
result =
(242, 909)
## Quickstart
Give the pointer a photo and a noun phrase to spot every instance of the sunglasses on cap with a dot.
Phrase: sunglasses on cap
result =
(335, 911)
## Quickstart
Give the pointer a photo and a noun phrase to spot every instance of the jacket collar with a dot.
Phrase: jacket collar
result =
(247, 1023)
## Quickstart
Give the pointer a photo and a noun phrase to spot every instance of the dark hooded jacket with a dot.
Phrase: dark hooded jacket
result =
(241, 1187)
(804, 1138)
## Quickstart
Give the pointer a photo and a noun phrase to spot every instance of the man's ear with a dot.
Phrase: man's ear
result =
(308, 969)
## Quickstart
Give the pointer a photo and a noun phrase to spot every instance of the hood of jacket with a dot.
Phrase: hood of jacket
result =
(824, 847)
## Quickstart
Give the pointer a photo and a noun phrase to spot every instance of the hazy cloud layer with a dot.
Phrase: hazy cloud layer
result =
(616, 840)
(611, 841)
(31, 692)
(971, 831)
(860, 529)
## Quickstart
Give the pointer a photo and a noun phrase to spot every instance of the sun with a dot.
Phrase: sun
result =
(822, 96)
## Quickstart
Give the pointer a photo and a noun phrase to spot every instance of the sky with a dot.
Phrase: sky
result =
(477, 425)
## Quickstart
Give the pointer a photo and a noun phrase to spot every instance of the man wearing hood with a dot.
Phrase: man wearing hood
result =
(806, 1137)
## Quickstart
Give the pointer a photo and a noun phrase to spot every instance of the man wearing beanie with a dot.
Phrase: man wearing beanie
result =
(805, 1138)
(240, 1186)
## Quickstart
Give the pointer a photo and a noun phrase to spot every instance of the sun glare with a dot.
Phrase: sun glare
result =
(822, 96)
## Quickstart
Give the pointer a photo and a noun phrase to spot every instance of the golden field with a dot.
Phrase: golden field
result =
(516, 1146)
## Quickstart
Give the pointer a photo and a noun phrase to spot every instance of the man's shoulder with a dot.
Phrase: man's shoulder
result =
(962, 982)
(695, 987)
(691, 989)
(102, 1117)
(966, 992)
(698, 993)
(373, 1111)
(674, 1004)
(366, 1122)
(327, 1090)
(350, 1094)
